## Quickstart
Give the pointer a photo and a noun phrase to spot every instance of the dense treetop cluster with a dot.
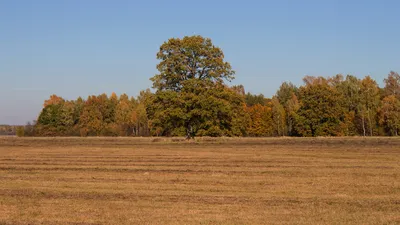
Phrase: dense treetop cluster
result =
(192, 98)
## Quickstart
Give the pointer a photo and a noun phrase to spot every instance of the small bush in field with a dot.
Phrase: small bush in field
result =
(20, 131)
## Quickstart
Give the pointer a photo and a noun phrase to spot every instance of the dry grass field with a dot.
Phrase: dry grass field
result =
(208, 181)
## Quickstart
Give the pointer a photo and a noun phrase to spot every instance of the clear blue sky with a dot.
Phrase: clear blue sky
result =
(78, 48)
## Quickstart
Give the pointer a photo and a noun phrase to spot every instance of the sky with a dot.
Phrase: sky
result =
(77, 48)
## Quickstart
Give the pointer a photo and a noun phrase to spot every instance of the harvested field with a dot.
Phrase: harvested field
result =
(207, 181)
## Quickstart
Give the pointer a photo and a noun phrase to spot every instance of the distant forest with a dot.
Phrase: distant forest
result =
(8, 130)
(192, 98)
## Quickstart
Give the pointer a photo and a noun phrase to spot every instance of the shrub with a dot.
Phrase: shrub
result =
(20, 131)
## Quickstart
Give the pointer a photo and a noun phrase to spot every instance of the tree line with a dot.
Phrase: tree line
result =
(8, 130)
(192, 98)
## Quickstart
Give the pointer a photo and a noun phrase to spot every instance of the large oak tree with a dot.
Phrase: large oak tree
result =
(191, 96)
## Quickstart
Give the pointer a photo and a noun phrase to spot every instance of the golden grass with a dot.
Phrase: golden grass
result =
(206, 181)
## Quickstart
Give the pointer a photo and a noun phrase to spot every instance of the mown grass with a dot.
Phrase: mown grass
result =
(206, 181)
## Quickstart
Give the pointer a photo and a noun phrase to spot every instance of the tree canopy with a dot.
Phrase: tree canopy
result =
(187, 59)
(192, 97)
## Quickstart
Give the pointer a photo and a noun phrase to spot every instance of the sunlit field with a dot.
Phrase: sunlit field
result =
(205, 181)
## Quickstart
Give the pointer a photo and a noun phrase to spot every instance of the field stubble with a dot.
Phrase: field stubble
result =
(208, 181)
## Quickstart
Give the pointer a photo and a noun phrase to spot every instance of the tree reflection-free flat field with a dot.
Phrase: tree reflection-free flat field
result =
(207, 181)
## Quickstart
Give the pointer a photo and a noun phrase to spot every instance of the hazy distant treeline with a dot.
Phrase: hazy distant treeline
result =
(8, 130)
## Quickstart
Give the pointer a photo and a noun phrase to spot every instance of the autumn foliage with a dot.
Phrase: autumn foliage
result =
(192, 98)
